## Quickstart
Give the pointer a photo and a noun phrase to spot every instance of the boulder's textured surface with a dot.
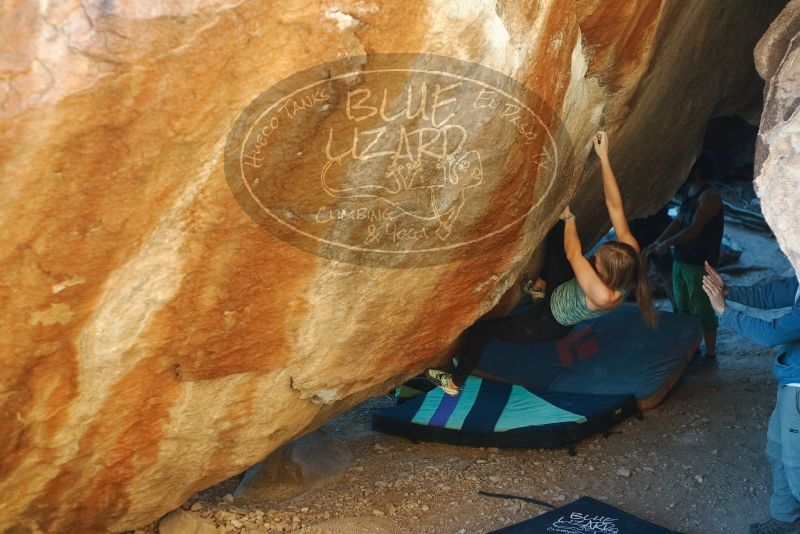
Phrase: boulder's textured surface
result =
(778, 149)
(315, 460)
(156, 340)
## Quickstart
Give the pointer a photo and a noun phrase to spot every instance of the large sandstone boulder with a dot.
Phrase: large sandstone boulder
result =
(778, 150)
(162, 332)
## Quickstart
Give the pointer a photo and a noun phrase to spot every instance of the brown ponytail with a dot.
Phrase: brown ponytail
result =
(623, 268)
(643, 293)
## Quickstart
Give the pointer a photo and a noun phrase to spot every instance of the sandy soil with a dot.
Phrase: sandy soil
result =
(695, 463)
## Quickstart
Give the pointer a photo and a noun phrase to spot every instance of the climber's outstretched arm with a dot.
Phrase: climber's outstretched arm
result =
(616, 209)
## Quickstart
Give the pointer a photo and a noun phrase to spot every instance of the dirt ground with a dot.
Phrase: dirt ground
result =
(695, 463)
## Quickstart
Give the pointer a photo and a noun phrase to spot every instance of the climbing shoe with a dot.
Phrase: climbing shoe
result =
(773, 526)
(535, 293)
(442, 379)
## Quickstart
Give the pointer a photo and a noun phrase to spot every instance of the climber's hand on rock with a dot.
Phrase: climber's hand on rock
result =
(565, 214)
(600, 141)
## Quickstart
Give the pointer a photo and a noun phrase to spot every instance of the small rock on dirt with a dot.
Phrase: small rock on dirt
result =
(311, 462)
(183, 522)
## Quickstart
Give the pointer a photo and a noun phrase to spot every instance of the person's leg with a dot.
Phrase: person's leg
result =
(679, 289)
(537, 325)
(710, 339)
(781, 504)
(556, 269)
(790, 442)
(700, 307)
(477, 337)
(783, 451)
(531, 327)
(664, 266)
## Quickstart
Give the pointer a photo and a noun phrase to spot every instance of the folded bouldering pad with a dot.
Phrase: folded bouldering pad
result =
(613, 355)
(488, 413)
(585, 516)
(552, 394)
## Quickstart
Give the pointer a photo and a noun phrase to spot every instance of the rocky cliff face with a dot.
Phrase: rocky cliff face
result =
(778, 150)
(160, 336)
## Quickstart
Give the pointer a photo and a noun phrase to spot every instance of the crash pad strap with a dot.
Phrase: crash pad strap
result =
(516, 498)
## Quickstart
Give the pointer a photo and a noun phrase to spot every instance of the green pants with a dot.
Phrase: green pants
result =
(690, 299)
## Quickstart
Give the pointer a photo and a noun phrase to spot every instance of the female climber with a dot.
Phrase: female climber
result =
(571, 287)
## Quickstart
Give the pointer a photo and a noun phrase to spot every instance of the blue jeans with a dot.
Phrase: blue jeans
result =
(783, 451)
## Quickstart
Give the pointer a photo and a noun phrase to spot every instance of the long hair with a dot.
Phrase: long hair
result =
(624, 268)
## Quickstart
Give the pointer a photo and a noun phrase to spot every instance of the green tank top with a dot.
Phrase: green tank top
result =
(568, 304)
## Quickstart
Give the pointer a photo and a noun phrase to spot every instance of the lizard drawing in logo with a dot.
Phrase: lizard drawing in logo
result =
(428, 187)
(582, 524)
